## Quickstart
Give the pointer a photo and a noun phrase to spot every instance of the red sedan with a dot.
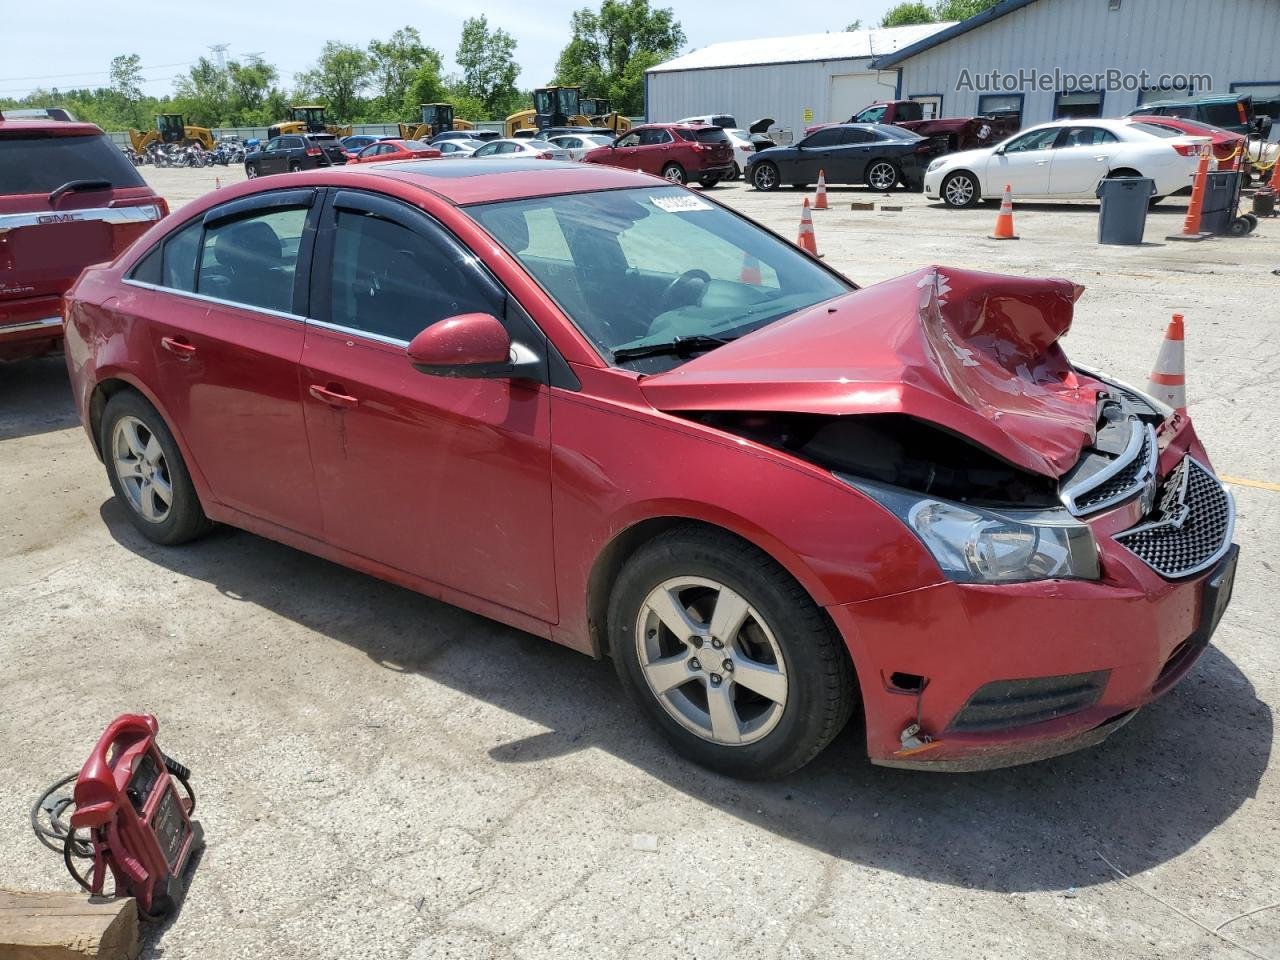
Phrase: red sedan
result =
(395, 150)
(1226, 145)
(616, 414)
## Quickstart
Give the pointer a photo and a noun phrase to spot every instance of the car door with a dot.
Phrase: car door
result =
(814, 153)
(227, 328)
(626, 149)
(1081, 158)
(656, 150)
(1024, 164)
(270, 159)
(444, 478)
(848, 163)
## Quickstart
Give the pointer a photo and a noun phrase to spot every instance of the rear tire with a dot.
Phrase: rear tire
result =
(295, 166)
(144, 466)
(673, 172)
(801, 688)
(960, 190)
(708, 182)
(883, 175)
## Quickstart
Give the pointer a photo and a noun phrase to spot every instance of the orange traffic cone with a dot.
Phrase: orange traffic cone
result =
(1004, 220)
(750, 270)
(1168, 382)
(1275, 175)
(1191, 226)
(820, 200)
(217, 183)
(807, 240)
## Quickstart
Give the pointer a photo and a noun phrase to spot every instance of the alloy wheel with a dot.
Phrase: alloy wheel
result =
(959, 191)
(711, 660)
(882, 176)
(674, 174)
(140, 465)
(765, 177)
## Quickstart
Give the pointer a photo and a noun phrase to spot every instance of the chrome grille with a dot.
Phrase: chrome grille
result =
(1130, 473)
(1191, 526)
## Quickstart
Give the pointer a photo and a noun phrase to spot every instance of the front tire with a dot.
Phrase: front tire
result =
(147, 472)
(960, 190)
(727, 655)
(673, 172)
(764, 177)
(295, 166)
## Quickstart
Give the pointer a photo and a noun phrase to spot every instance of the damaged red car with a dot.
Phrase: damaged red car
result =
(611, 412)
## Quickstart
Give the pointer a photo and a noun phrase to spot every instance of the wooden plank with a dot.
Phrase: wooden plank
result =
(67, 926)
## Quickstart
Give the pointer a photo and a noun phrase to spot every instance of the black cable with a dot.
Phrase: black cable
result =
(67, 854)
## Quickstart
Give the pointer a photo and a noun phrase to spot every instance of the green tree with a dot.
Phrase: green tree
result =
(961, 9)
(126, 77)
(854, 27)
(425, 85)
(609, 50)
(250, 84)
(395, 64)
(203, 96)
(906, 14)
(487, 59)
(340, 76)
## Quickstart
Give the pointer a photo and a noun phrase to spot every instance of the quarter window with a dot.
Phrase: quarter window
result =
(253, 260)
(393, 282)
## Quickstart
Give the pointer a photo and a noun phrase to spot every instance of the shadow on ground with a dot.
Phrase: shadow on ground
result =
(35, 397)
(1151, 792)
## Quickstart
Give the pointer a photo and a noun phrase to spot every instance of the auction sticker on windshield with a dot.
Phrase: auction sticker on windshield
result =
(680, 204)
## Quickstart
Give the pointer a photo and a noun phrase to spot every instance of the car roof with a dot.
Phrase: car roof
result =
(1196, 101)
(47, 128)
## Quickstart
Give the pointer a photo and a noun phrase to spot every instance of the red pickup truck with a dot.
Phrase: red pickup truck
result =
(961, 133)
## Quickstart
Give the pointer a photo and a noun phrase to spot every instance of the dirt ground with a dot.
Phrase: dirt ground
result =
(380, 775)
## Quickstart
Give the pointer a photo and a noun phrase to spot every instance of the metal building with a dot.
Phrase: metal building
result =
(795, 80)
(1144, 50)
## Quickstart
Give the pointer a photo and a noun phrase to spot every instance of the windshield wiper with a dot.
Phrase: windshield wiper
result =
(74, 186)
(676, 346)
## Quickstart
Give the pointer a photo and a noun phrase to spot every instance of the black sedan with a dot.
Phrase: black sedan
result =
(877, 154)
(292, 152)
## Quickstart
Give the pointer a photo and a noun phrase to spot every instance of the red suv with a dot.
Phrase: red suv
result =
(68, 198)
(680, 152)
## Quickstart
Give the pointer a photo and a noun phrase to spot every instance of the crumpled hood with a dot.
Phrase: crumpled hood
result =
(975, 353)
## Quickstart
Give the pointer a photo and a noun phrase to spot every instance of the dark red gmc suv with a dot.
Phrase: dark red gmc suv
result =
(68, 198)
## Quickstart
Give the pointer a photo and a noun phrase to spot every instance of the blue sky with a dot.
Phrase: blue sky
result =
(69, 43)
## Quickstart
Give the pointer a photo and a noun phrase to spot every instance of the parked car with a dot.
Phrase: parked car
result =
(1065, 160)
(578, 145)
(679, 152)
(723, 120)
(743, 148)
(358, 141)
(393, 149)
(456, 148)
(960, 133)
(520, 150)
(1234, 113)
(876, 154)
(68, 198)
(773, 498)
(291, 153)
(483, 135)
(1226, 145)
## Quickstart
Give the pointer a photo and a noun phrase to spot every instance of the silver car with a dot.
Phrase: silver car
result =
(458, 148)
(579, 144)
(517, 149)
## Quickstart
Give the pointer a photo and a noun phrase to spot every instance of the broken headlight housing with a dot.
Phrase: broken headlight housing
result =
(978, 545)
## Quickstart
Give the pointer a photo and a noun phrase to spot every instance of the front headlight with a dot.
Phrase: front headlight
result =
(978, 545)
(935, 165)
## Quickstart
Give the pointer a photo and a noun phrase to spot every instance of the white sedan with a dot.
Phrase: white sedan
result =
(743, 148)
(1064, 160)
(579, 144)
(529, 149)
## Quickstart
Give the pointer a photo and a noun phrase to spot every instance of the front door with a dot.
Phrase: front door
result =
(272, 157)
(626, 151)
(445, 478)
(227, 331)
(1024, 165)
(816, 151)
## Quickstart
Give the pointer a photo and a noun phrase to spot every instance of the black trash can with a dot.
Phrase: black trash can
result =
(1125, 200)
(1221, 200)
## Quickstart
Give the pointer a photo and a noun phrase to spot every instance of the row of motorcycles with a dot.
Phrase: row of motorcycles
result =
(189, 155)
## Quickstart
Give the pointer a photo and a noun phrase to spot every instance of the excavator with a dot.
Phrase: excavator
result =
(436, 118)
(170, 129)
(307, 118)
(602, 114)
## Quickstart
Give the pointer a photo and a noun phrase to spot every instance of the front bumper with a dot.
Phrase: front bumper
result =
(933, 184)
(1140, 633)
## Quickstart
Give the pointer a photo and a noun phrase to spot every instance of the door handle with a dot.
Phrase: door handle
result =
(178, 347)
(333, 397)
(1100, 158)
(1041, 163)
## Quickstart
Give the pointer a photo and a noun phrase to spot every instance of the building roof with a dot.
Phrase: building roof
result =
(807, 47)
(951, 31)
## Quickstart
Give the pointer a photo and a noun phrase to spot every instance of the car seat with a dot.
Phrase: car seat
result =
(252, 259)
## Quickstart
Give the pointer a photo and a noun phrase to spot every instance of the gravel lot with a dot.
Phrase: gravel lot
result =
(381, 775)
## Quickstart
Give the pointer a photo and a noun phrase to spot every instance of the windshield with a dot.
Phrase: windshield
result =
(41, 164)
(642, 266)
(872, 114)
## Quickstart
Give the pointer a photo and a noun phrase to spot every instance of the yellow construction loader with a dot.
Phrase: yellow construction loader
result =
(602, 114)
(552, 107)
(307, 118)
(436, 118)
(170, 129)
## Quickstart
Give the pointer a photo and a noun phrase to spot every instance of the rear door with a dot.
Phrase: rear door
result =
(1081, 158)
(656, 150)
(65, 202)
(225, 307)
(445, 478)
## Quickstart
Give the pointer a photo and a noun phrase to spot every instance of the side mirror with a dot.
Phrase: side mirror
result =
(999, 151)
(474, 345)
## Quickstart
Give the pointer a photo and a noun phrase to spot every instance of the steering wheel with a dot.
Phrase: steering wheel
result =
(686, 290)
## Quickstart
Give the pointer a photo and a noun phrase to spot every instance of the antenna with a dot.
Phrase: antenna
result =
(221, 50)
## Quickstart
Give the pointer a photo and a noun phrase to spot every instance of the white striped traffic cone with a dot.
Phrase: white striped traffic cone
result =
(1004, 220)
(807, 241)
(1168, 382)
(820, 199)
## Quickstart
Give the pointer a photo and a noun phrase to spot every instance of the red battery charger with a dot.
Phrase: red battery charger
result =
(127, 816)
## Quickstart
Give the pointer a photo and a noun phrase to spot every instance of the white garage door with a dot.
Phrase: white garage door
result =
(850, 92)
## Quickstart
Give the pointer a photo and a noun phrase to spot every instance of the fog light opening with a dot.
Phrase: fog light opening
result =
(911, 683)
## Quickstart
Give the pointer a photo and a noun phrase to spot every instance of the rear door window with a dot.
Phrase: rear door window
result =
(253, 260)
(41, 164)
